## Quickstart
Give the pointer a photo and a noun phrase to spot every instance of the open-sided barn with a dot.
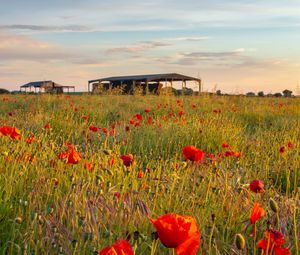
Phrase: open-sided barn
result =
(148, 83)
(45, 86)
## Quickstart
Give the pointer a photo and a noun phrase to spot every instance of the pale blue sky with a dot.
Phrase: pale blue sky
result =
(238, 45)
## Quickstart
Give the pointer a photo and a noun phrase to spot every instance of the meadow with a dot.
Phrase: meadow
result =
(78, 173)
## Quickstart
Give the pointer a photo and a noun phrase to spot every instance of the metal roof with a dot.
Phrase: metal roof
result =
(148, 77)
(36, 84)
(39, 84)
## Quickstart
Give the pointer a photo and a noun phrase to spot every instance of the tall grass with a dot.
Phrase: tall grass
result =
(50, 207)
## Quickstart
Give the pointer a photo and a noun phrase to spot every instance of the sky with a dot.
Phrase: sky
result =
(236, 46)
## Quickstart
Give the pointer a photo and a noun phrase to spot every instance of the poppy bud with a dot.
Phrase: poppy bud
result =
(240, 241)
(273, 205)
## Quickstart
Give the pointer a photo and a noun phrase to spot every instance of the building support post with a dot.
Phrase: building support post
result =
(200, 86)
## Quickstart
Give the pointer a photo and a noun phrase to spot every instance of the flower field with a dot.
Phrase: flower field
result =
(149, 175)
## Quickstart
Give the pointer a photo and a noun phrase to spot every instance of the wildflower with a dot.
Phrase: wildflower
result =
(225, 145)
(30, 139)
(272, 243)
(181, 113)
(127, 159)
(12, 132)
(150, 120)
(179, 232)
(282, 150)
(257, 186)
(237, 154)
(121, 247)
(93, 129)
(147, 110)
(257, 213)
(10, 114)
(192, 153)
(229, 153)
(47, 126)
(72, 156)
(138, 116)
(89, 166)
(140, 174)
(290, 145)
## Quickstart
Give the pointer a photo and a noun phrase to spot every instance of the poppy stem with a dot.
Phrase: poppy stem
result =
(295, 230)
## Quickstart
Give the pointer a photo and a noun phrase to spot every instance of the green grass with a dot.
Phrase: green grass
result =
(39, 217)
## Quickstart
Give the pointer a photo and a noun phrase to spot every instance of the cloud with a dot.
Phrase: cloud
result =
(137, 48)
(64, 28)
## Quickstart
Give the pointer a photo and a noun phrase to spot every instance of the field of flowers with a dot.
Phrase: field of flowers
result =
(149, 175)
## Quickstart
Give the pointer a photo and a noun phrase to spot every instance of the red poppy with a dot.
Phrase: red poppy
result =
(237, 154)
(229, 153)
(282, 150)
(105, 131)
(47, 126)
(138, 116)
(93, 129)
(10, 114)
(272, 243)
(150, 120)
(30, 139)
(121, 247)
(89, 166)
(147, 110)
(181, 113)
(290, 145)
(140, 174)
(192, 153)
(179, 232)
(72, 156)
(257, 213)
(12, 132)
(127, 159)
(257, 186)
(225, 145)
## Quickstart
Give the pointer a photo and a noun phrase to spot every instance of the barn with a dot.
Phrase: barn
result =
(46, 87)
(149, 83)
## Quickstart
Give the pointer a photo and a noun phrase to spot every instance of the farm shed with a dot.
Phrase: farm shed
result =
(149, 83)
(45, 86)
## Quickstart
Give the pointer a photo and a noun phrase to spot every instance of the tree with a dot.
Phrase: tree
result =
(287, 93)
(218, 92)
(277, 95)
(261, 94)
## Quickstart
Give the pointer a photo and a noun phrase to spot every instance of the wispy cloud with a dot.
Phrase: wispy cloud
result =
(63, 28)
(137, 48)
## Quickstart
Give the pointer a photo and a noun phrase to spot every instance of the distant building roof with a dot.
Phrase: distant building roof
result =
(148, 78)
(40, 84)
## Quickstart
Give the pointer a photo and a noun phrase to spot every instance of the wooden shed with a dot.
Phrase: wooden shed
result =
(46, 87)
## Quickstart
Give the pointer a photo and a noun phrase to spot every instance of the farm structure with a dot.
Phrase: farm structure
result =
(149, 83)
(46, 87)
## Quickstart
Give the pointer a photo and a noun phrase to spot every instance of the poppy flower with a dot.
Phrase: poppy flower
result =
(257, 213)
(282, 150)
(72, 156)
(290, 145)
(257, 186)
(105, 131)
(30, 139)
(181, 113)
(272, 243)
(229, 153)
(138, 116)
(140, 174)
(47, 126)
(179, 232)
(127, 159)
(121, 247)
(88, 166)
(225, 145)
(93, 129)
(237, 154)
(12, 132)
(10, 114)
(147, 110)
(192, 153)
(150, 120)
